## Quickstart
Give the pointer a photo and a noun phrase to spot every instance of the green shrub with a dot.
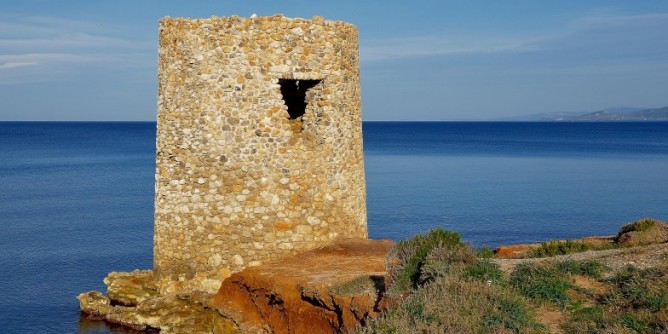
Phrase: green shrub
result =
(444, 288)
(585, 268)
(510, 312)
(581, 313)
(550, 282)
(554, 248)
(638, 289)
(486, 271)
(639, 226)
(359, 285)
(485, 252)
(451, 305)
(631, 273)
(542, 284)
(445, 261)
(656, 302)
(634, 322)
(406, 259)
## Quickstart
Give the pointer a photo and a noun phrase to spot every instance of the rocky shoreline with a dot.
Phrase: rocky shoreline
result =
(331, 289)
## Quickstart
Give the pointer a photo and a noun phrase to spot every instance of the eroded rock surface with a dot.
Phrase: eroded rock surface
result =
(327, 290)
(131, 288)
(134, 301)
(643, 232)
(332, 289)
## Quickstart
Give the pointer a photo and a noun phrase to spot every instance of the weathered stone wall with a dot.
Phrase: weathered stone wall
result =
(237, 181)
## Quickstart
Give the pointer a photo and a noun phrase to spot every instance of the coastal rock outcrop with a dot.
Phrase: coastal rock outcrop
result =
(168, 314)
(135, 301)
(643, 232)
(647, 231)
(331, 289)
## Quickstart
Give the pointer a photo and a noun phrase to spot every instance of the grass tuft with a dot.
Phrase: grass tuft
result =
(640, 226)
(442, 286)
(541, 284)
(554, 248)
(453, 305)
(592, 269)
(359, 285)
(485, 252)
(407, 258)
(486, 271)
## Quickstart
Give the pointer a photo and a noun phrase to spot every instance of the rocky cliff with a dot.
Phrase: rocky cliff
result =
(331, 289)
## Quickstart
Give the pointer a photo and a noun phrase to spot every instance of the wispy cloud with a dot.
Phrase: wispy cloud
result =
(44, 48)
(78, 40)
(610, 31)
(10, 65)
(599, 21)
(42, 58)
(426, 46)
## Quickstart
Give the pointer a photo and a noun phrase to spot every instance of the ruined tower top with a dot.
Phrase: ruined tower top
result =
(259, 141)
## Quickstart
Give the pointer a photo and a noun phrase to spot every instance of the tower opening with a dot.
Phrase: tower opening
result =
(294, 95)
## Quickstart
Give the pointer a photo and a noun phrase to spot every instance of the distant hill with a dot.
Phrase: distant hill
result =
(624, 114)
(656, 114)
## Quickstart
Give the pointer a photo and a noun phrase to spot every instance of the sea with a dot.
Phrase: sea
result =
(77, 197)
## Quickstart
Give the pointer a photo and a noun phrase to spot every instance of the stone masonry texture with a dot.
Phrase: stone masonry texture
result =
(239, 180)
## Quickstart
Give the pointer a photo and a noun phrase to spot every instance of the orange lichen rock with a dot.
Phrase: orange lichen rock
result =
(325, 290)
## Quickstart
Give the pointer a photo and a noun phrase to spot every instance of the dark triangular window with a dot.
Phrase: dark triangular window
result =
(294, 95)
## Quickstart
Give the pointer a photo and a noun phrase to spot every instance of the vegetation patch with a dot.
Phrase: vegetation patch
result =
(554, 248)
(640, 226)
(636, 302)
(541, 284)
(440, 285)
(643, 232)
(359, 285)
(454, 305)
(407, 258)
(486, 271)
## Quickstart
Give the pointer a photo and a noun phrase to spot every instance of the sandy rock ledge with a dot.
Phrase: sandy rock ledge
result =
(134, 301)
(331, 289)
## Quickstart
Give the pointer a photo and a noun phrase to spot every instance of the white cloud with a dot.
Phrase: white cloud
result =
(44, 48)
(439, 46)
(41, 58)
(10, 65)
(78, 40)
(601, 21)
(613, 30)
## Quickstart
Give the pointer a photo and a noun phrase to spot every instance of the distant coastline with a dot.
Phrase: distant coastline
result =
(624, 114)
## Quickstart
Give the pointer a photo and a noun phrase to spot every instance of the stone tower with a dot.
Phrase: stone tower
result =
(259, 141)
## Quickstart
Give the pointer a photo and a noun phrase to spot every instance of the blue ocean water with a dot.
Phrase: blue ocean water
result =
(502, 183)
(77, 198)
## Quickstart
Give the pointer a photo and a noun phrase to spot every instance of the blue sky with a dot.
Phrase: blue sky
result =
(421, 60)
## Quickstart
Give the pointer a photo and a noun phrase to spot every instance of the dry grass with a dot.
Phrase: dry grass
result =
(359, 285)
(441, 287)
(643, 232)
(553, 248)
(458, 306)
(446, 289)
